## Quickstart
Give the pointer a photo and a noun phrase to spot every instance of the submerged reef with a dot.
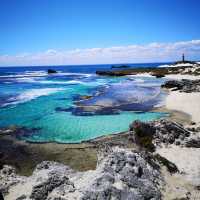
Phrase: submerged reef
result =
(123, 96)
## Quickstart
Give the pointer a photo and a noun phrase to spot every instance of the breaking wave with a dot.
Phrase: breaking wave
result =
(31, 94)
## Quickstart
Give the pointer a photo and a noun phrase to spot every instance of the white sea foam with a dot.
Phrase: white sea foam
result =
(35, 73)
(71, 82)
(26, 74)
(32, 94)
(163, 66)
(7, 82)
(43, 74)
(25, 79)
(73, 74)
(57, 82)
(146, 74)
(139, 80)
(178, 65)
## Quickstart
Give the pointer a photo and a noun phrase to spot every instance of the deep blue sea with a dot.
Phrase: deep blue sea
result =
(75, 104)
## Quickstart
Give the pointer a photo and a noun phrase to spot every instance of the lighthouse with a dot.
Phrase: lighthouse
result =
(183, 58)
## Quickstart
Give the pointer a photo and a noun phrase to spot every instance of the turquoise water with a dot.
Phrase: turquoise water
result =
(30, 99)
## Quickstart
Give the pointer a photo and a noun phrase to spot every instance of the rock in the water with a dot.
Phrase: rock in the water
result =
(51, 71)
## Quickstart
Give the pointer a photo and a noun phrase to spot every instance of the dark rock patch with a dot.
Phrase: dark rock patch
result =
(171, 167)
(183, 85)
(158, 132)
(51, 71)
(1, 196)
(131, 169)
(60, 109)
(193, 143)
(18, 131)
(158, 75)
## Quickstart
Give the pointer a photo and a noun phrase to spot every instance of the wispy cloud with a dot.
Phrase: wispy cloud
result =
(153, 52)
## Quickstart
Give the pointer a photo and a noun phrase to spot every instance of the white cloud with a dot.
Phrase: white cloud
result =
(153, 52)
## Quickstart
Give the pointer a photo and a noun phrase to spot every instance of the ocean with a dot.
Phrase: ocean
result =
(75, 104)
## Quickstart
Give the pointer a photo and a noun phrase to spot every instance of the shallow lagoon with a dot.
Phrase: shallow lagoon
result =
(30, 98)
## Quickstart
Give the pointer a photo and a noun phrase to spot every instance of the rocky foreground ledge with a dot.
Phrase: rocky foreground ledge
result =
(122, 173)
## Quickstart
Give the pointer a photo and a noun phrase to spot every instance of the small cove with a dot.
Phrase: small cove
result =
(29, 99)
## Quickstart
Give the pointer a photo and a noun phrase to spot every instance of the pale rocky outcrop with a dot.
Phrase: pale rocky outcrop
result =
(123, 174)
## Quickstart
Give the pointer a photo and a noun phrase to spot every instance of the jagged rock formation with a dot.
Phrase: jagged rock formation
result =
(120, 173)
(183, 85)
(123, 174)
(8, 178)
(159, 132)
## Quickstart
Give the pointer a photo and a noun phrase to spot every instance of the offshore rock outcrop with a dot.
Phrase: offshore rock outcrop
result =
(51, 71)
(122, 174)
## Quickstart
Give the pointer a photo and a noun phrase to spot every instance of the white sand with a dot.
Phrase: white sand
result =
(146, 74)
(182, 76)
(170, 76)
(185, 102)
(186, 159)
(178, 65)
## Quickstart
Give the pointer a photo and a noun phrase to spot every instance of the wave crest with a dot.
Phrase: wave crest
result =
(31, 94)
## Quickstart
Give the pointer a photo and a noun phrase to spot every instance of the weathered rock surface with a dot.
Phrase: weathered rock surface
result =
(8, 178)
(194, 143)
(17, 131)
(122, 174)
(183, 85)
(161, 131)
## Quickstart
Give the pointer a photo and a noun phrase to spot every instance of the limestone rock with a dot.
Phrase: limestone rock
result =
(161, 131)
(122, 174)
(183, 85)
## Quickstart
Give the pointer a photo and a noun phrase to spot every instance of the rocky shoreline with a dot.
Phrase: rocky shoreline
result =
(186, 67)
(121, 172)
(154, 160)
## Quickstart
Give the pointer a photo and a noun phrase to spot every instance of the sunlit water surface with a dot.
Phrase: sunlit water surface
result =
(30, 98)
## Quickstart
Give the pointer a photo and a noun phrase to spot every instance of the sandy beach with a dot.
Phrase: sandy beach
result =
(185, 102)
(182, 76)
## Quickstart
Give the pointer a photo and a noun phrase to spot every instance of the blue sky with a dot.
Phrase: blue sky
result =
(31, 29)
